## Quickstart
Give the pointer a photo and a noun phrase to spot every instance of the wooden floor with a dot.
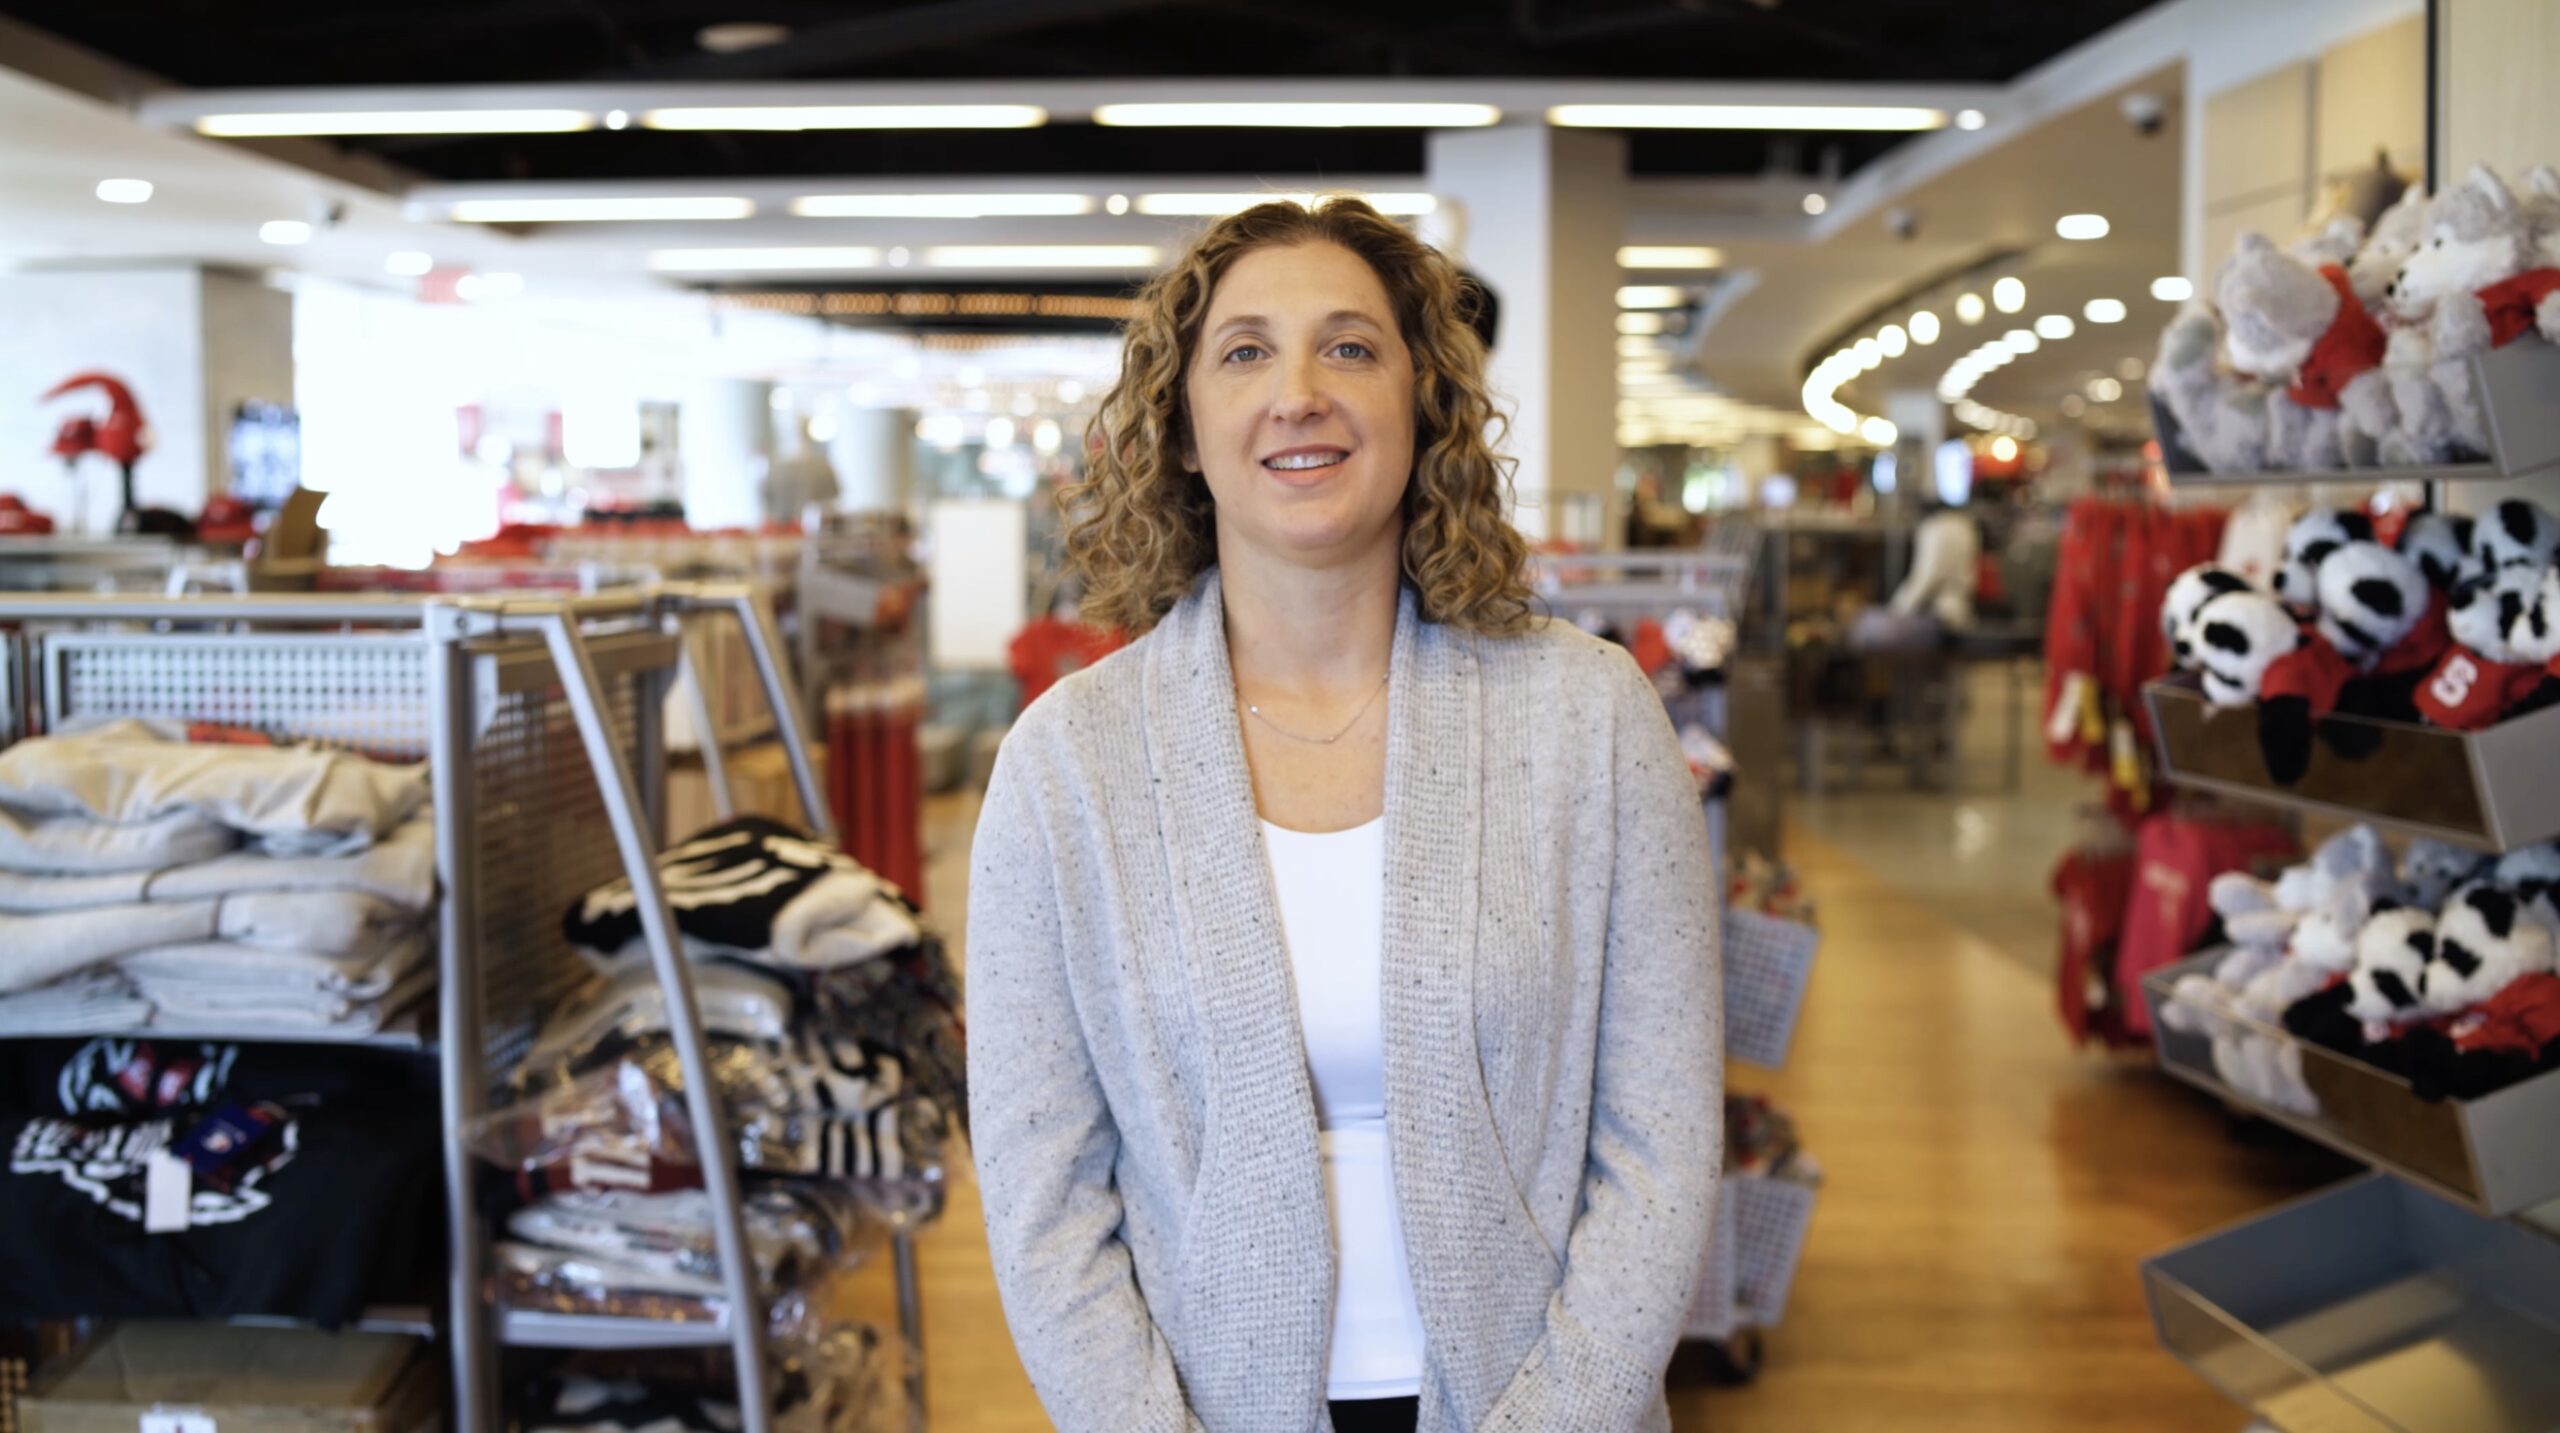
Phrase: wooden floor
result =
(1988, 1193)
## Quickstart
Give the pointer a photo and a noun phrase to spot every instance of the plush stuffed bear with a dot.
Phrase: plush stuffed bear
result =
(2379, 631)
(2307, 544)
(2237, 637)
(2440, 543)
(2542, 211)
(2302, 329)
(2515, 533)
(2483, 941)
(2430, 870)
(2222, 419)
(2370, 598)
(2392, 951)
(2188, 592)
(2394, 237)
(2476, 283)
(2483, 679)
(2533, 873)
(2535, 633)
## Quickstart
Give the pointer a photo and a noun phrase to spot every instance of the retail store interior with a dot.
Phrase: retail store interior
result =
(524, 529)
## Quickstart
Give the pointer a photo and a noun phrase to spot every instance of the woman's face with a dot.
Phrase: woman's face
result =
(1300, 401)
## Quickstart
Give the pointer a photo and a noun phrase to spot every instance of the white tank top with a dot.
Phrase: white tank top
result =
(1333, 903)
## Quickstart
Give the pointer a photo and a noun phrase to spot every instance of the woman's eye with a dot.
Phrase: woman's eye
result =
(1243, 351)
(1355, 348)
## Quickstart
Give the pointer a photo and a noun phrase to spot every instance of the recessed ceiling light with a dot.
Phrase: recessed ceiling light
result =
(1637, 346)
(784, 259)
(1969, 308)
(848, 116)
(1970, 119)
(2020, 342)
(2104, 390)
(2073, 405)
(1924, 327)
(1116, 204)
(1640, 323)
(1216, 205)
(2056, 326)
(2081, 226)
(1651, 296)
(2173, 289)
(1870, 353)
(2004, 448)
(2103, 311)
(1815, 203)
(612, 209)
(1745, 116)
(432, 121)
(1879, 431)
(2009, 295)
(125, 191)
(409, 264)
(899, 258)
(1305, 115)
(740, 35)
(1893, 340)
(1657, 256)
(2131, 370)
(617, 119)
(1041, 256)
(940, 206)
(285, 231)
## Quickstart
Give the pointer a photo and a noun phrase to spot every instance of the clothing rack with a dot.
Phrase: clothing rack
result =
(543, 719)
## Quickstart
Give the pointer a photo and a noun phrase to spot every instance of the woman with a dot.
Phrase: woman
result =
(1342, 974)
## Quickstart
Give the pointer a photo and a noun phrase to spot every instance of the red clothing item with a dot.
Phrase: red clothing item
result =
(2176, 859)
(1051, 648)
(2511, 303)
(2467, 691)
(2523, 1017)
(1650, 649)
(2091, 887)
(2352, 346)
(2317, 672)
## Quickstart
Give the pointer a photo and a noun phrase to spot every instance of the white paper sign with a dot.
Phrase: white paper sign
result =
(168, 1185)
(176, 1420)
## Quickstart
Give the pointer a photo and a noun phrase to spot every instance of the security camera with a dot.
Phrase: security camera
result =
(328, 213)
(2146, 112)
(1901, 223)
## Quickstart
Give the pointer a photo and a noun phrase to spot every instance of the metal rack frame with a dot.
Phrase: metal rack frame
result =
(473, 654)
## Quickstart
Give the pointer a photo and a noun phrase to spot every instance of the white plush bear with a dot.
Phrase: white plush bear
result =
(2396, 235)
(2430, 870)
(2221, 417)
(2305, 334)
(2478, 237)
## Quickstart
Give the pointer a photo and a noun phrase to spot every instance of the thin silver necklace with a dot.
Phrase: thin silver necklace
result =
(1319, 740)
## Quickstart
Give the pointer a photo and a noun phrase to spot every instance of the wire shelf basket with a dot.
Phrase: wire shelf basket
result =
(1761, 1222)
(1768, 962)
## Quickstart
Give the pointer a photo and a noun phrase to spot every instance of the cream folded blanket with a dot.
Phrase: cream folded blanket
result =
(291, 800)
(401, 869)
(37, 949)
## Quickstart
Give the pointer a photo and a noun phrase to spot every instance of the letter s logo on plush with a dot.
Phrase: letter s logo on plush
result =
(2452, 686)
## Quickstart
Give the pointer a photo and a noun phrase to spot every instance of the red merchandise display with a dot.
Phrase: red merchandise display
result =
(875, 778)
(2092, 885)
(2176, 857)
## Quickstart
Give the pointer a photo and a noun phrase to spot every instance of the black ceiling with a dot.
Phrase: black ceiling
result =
(217, 43)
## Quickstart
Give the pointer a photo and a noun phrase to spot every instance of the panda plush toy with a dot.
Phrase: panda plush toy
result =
(2515, 533)
(2440, 543)
(2235, 638)
(2188, 592)
(2392, 953)
(2379, 630)
(2308, 544)
(2484, 678)
(2484, 941)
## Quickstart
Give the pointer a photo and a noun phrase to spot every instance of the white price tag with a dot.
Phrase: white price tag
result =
(168, 1186)
(176, 1420)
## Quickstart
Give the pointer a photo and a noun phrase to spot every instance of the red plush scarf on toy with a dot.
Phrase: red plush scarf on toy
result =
(2353, 345)
(2511, 303)
(2467, 691)
(2318, 672)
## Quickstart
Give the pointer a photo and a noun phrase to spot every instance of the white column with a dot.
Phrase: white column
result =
(1542, 211)
(874, 457)
(724, 432)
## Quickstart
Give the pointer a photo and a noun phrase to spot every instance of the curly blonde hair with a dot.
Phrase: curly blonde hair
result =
(1144, 528)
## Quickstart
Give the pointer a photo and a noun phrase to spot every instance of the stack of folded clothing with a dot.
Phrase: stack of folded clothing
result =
(641, 1255)
(847, 1377)
(210, 888)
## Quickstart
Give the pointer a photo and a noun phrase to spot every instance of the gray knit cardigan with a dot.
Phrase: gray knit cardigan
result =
(1142, 1116)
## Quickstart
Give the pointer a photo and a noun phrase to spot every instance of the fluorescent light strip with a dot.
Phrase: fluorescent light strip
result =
(848, 116)
(1654, 256)
(1649, 296)
(620, 209)
(1217, 205)
(1745, 116)
(1307, 115)
(404, 121)
(1041, 256)
(942, 206)
(784, 259)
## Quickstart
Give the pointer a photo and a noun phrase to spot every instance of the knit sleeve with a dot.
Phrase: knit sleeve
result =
(1045, 1142)
(1656, 1144)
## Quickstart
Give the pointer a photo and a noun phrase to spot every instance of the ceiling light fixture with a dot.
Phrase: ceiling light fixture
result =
(2056, 326)
(2073, 405)
(617, 119)
(1924, 327)
(285, 231)
(2019, 341)
(1651, 256)
(1746, 116)
(1117, 204)
(800, 260)
(1893, 340)
(1971, 119)
(1879, 431)
(427, 121)
(1651, 296)
(2081, 226)
(1815, 204)
(2009, 295)
(1217, 205)
(2103, 311)
(1041, 256)
(2131, 370)
(848, 116)
(2004, 448)
(1637, 346)
(1869, 352)
(125, 191)
(409, 264)
(616, 209)
(1640, 323)
(2105, 390)
(941, 206)
(1304, 115)
(739, 36)
(1969, 308)
(2172, 289)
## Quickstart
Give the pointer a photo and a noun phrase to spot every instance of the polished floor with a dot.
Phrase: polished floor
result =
(1988, 1190)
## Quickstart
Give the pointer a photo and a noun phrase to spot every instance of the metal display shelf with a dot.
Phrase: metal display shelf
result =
(2370, 1307)
(2496, 789)
(2519, 388)
(2495, 1155)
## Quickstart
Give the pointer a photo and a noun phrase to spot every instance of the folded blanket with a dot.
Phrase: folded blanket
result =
(401, 870)
(38, 842)
(244, 1014)
(367, 973)
(291, 800)
(89, 1003)
(40, 948)
(755, 890)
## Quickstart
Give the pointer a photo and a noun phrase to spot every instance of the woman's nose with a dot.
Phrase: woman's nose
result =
(1300, 393)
